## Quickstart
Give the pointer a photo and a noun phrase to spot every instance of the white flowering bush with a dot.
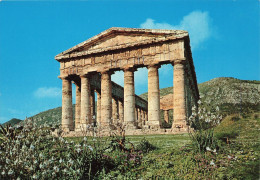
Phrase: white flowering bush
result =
(35, 154)
(203, 120)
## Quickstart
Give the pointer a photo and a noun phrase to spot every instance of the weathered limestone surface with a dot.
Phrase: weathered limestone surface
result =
(166, 102)
(115, 110)
(106, 100)
(67, 121)
(129, 99)
(179, 97)
(121, 111)
(92, 105)
(166, 115)
(77, 107)
(153, 97)
(85, 101)
(98, 107)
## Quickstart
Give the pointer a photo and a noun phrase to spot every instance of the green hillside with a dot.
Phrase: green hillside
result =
(12, 122)
(230, 94)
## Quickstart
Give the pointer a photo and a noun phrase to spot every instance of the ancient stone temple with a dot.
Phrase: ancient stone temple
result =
(90, 64)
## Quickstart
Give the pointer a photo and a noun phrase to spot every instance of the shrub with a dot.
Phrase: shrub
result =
(145, 146)
(35, 154)
(204, 121)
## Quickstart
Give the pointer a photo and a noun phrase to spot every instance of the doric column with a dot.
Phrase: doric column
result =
(98, 107)
(143, 118)
(140, 117)
(85, 101)
(166, 115)
(114, 109)
(92, 106)
(67, 114)
(136, 115)
(121, 110)
(129, 99)
(153, 97)
(106, 99)
(179, 97)
(77, 106)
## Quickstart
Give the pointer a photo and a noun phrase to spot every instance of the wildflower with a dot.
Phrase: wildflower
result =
(32, 147)
(60, 161)
(85, 139)
(41, 155)
(78, 150)
(208, 149)
(71, 161)
(207, 120)
(3, 172)
(229, 157)
(217, 108)
(10, 172)
(41, 166)
(212, 163)
(56, 169)
(199, 102)
(77, 145)
(7, 161)
(34, 176)
(90, 148)
(214, 150)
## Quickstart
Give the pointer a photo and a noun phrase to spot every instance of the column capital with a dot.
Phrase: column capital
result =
(84, 75)
(132, 69)
(175, 62)
(64, 77)
(154, 66)
(106, 72)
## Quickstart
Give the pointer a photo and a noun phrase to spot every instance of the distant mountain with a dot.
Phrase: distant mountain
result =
(12, 122)
(230, 94)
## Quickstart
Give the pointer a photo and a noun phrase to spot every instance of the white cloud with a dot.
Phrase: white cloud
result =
(197, 23)
(51, 92)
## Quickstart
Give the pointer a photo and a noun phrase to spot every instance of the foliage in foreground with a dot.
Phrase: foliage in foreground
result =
(35, 154)
(203, 121)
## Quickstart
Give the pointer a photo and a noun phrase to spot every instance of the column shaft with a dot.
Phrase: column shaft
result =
(85, 101)
(129, 99)
(115, 110)
(153, 97)
(67, 114)
(98, 107)
(179, 97)
(121, 111)
(106, 99)
(166, 115)
(92, 106)
(77, 106)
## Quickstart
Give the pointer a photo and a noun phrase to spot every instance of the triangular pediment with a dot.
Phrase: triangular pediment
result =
(121, 36)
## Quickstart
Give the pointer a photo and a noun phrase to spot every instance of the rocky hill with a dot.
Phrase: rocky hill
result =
(230, 94)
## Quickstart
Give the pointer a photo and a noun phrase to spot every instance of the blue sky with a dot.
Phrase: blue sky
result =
(224, 38)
